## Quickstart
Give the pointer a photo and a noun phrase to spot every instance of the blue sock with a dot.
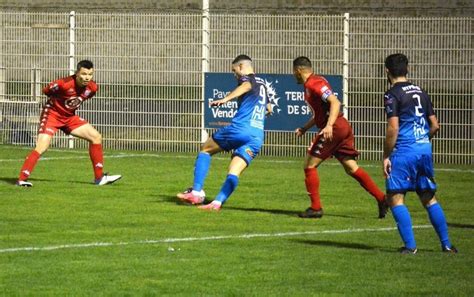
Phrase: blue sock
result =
(228, 187)
(201, 167)
(402, 217)
(436, 214)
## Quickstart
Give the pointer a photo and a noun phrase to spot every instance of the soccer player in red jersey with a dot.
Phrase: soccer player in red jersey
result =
(335, 138)
(65, 96)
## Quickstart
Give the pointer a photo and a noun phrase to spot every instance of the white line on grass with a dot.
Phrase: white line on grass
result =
(215, 157)
(205, 238)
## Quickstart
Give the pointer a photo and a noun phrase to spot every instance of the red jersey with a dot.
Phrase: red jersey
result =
(65, 96)
(316, 92)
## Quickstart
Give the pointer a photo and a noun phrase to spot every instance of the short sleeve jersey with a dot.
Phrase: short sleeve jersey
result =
(252, 105)
(413, 107)
(63, 94)
(316, 92)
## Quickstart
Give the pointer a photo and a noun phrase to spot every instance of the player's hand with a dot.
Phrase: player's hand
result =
(387, 167)
(327, 133)
(218, 102)
(300, 131)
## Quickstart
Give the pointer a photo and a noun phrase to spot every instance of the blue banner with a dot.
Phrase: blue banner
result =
(286, 97)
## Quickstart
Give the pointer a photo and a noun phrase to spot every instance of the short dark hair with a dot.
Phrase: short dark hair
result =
(302, 62)
(397, 65)
(241, 58)
(84, 64)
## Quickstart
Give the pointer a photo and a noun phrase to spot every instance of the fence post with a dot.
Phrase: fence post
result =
(72, 41)
(2, 83)
(345, 68)
(36, 84)
(205, 61)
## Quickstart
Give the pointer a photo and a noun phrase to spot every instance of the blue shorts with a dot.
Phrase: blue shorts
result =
(411, 172)
(245, 144)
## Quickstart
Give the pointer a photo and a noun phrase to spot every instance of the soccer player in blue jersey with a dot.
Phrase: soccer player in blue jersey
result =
(244, 135)
(407, 157)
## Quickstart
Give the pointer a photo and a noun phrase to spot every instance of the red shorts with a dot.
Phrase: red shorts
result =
(342, 144)
(51, 121)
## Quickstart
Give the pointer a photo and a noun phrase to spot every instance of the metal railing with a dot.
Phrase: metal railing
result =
(149, 68)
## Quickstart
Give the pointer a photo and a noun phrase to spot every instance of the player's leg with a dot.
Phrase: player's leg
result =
(87, 132)
(426, 188)
(360, 175)
(437, 219)
(203, 162)
(311, 181)
(236, 167)
(246, 148)
(196, 194)
(402, 217)
(42, 144)
(402, 179)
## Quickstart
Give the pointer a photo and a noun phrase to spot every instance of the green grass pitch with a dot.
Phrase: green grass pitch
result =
(67, 237)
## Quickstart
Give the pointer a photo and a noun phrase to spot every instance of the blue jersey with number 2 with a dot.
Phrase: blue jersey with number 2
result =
(413, 107)
(412, 163)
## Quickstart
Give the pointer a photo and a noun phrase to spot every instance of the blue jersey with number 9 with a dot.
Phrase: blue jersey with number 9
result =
(252, 106)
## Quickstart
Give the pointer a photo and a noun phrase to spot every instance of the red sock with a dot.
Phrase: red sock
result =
(312, 186)
(368, 184)
(97, 158)
(29, 165)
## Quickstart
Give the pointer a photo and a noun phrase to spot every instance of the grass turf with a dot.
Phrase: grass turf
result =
(256, 246)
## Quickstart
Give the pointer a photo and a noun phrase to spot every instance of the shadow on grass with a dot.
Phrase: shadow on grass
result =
(173, 199)
(12, 180)
(335, 244)
(461, 226)
(286, 212)
(8, 180)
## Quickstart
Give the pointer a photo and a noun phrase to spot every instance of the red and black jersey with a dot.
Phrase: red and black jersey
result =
(65, 96)
(317, 91)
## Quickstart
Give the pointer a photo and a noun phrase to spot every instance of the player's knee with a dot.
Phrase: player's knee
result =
(97, 138)
(395, 199)
(427, 198)
(350, 171)
(41, 150)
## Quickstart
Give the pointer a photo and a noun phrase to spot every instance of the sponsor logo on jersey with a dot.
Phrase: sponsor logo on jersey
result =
(73, 103)
(87, 92)
(249, 152)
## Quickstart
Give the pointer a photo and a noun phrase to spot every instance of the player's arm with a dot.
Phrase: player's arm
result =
(434, 125)
(391, 136)
(237, 92)
(300, 131)
(334, 109)
(52, 88)
(432, 119)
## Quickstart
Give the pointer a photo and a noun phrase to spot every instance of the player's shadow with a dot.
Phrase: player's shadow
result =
(8, 180)
(272, 211)
(461, 226)
(286, 212)
(12, 180)
(172, 199)
(335, 244)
